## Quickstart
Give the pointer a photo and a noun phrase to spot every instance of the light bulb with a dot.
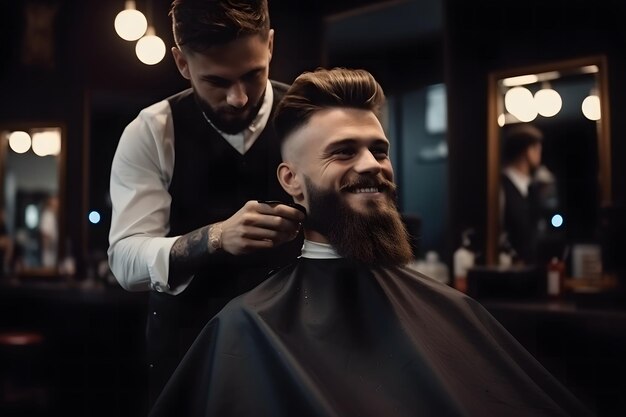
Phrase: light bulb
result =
(520, 103)
(130, 24)
(591, 107)
(150, 49)
(548, 102)
(19, 141)
(47, 142)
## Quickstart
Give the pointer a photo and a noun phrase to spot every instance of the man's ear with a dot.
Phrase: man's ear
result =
(289, 180)
(271, 42)
(181, 63)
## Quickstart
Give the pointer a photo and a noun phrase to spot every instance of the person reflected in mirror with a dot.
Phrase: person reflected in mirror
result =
(525, 185)
(49, 232)
(190, 175)
(348, 329)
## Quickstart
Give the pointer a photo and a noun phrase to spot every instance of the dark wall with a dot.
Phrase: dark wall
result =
(486, 36)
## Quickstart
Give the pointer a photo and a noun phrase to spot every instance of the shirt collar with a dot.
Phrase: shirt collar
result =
(519, 180)
(263, 115)
(315, 250)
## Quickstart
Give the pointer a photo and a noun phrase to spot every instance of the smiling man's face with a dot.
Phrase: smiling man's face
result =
(339, 169)
(345, 151)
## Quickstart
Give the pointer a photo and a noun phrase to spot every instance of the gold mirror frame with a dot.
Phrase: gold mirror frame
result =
(39, 271)
(493, 144)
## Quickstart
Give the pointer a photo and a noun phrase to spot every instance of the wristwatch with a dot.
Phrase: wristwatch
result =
(215, 236)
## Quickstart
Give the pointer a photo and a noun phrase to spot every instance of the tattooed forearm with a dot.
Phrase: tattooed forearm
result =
(188, 252)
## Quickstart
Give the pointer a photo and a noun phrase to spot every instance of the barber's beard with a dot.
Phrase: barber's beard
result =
(228, 119)
(376, 236)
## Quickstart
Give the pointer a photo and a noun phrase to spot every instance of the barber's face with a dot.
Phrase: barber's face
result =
(229, 80)
(345, 151)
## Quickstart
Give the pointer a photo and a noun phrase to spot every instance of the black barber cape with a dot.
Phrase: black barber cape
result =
(328, 337)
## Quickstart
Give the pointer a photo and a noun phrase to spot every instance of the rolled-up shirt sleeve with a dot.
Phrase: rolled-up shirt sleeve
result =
(140, 176)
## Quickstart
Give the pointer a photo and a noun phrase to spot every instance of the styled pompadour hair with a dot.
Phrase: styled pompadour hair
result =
(323, 89)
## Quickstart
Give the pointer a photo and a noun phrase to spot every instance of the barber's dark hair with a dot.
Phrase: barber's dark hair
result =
(198, 25)
(517, 139)
(322, 89)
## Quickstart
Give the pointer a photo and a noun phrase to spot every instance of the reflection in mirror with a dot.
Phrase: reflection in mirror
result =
(30, 196)
(548, 160)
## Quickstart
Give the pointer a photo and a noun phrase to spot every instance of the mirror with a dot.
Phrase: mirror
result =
(31, 161)
(549, 158)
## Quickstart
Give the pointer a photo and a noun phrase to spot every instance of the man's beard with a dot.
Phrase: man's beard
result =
(236, 123)
(377, 236)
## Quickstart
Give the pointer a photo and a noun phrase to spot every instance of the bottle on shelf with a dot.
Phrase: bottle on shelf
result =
(506, 253)
(555, 277)
(434, 268)
(463, 260)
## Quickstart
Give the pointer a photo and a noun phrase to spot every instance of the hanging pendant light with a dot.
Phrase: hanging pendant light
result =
(520, 103)
(130, 24)
(548, 101)
(150, 49)
(19, 141)
(47, 142)
(591, 107)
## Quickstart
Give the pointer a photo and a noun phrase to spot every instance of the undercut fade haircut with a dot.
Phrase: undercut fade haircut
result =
(198, 25)
(324, 89)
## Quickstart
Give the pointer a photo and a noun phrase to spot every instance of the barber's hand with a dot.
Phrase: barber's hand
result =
(260, 226)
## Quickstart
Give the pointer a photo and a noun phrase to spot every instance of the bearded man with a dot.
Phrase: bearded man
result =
(347, 329)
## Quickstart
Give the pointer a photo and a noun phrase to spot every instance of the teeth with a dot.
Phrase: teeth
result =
(366, 190)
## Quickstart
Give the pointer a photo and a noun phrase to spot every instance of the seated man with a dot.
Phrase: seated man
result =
(347, 329)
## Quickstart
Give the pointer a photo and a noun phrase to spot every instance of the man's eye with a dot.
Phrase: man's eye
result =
(344, 152)
(252, 76)
(380, 153)
(218, 83)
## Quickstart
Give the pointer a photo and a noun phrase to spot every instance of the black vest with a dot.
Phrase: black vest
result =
(211, 182)
(518, 220)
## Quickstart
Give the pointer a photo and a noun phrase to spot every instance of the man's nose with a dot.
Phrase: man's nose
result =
(236, 96)
(367, 163)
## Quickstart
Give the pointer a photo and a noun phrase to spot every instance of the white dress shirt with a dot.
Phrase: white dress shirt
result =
(141, 173)
(520, 181)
